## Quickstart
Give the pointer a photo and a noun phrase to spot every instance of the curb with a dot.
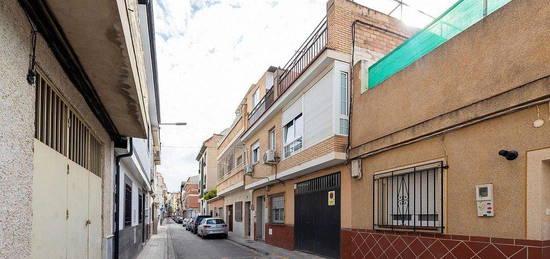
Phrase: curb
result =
(248, 246)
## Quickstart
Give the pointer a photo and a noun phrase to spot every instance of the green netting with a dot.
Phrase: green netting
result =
(456, 19)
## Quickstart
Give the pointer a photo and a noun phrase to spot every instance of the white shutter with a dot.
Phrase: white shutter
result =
(318, 112)
(292, 111)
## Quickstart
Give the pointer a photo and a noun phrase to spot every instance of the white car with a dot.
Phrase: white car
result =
(211, 227)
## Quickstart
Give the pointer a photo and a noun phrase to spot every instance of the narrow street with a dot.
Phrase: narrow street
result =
(185, 244)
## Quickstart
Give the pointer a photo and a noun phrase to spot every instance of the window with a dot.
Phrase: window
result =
(343, 93)
(127, 204)
(59, 126)
(239, 159)
(140, 212)
(278, 209)
(344, 104)
(272, 139)
(239, 211)
(293, 132)
(410, 198)
(215, 221)
(256, 97)
(255, 153)
(344, 127)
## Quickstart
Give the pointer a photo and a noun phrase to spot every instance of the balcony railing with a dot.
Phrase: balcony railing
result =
(308, 52)
(263, 105)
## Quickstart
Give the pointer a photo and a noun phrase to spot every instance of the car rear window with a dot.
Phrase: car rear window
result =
(215, 221)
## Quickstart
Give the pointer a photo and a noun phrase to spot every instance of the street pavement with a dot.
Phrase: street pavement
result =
(184, 244)
(174, 242)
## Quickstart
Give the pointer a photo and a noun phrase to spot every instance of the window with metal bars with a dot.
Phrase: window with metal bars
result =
(58, 126)
(239, 211)
(409, 198)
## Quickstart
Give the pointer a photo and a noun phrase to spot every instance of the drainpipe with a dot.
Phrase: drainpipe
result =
(117, 195)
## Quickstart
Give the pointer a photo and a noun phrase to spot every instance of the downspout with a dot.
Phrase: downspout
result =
(117, 195)
(350, 105)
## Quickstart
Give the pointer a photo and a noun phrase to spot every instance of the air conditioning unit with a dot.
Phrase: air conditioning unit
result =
(270, 157)
(248, 169)
(356, 171)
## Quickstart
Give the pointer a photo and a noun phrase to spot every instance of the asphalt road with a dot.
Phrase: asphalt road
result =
(187, 245)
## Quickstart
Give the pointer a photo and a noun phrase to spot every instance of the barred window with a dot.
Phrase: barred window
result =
(60, 127)
(409, 198)
(239, 211)
(127, 204)
(278, 209)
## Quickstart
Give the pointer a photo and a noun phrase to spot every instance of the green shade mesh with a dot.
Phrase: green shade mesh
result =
(456, 19)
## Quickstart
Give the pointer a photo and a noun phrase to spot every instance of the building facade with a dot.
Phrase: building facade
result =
(208, 169)
(190, 202)
(462, 153)
(381, 141)
(74, 100)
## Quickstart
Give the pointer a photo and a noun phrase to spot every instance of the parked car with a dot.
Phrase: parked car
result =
(197, 220)
(190, 223)
(211, 227)
(185, 221)
(178, 219)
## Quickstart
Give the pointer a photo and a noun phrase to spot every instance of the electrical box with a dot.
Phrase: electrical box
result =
(484, 200)
(356, 168)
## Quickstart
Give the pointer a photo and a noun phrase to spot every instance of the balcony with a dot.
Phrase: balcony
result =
(462, 15)
(307, 53)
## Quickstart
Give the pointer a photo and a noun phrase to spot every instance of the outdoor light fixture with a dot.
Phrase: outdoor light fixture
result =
(509, 155)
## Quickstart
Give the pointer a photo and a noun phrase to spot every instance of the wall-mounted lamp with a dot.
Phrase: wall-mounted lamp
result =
(509, 155)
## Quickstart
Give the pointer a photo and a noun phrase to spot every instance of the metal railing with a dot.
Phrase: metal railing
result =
(409, 198)
(308, 52)
(262, 106)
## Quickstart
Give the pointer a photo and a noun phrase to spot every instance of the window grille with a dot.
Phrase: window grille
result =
(323, 183)
(409, 198)
(239, 211)
(127, 205)
(278, 209)
(58, 126)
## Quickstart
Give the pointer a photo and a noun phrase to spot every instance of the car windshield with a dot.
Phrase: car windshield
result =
(215, 221)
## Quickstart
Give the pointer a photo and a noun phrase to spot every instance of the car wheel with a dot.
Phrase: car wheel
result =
(225, 236)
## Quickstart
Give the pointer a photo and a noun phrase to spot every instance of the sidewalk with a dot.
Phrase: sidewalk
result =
(157, 246)
(269, 250)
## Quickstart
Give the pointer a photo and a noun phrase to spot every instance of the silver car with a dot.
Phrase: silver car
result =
(211, 227)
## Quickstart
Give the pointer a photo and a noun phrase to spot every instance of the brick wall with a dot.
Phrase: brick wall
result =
(342, 13)
(333, 144)
(192, 202)
(281, 235)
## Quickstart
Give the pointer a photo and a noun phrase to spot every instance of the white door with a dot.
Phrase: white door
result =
(67, 207)
(77, 203)
(49, 203)
(94, 213)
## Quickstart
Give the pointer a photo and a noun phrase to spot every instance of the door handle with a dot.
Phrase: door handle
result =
(88, 222)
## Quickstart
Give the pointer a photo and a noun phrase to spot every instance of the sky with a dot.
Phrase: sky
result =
(209, 52)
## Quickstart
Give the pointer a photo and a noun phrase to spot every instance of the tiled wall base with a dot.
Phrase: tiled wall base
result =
(386, 244)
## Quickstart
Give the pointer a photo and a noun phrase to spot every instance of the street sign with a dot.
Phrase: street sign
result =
(331, 198)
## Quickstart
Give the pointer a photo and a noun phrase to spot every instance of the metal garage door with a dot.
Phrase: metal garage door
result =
(317, 216)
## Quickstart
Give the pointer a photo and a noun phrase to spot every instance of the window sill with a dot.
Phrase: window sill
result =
(409, 228)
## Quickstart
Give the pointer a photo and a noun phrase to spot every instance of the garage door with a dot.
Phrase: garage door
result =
(317, 216)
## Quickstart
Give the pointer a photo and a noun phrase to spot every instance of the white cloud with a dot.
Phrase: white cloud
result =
(209, 53)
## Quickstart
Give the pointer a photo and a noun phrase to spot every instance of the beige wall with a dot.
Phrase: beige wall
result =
(233, 133)
(262, 136)
(287, 189)
(472, 156)
(234, 177)
(458, 76)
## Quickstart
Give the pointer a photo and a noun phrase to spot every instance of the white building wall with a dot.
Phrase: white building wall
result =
(231, 199)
